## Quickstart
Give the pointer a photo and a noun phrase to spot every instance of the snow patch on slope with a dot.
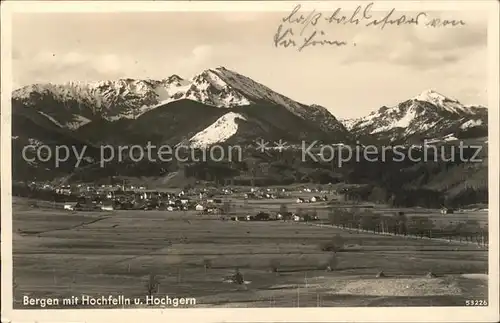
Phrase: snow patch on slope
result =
(167, 91)
(215, 80)
(51, 119)
(471, 123)
(402, 122)
(221, 130)
(349, 123)
(76, 123)
(450, 137)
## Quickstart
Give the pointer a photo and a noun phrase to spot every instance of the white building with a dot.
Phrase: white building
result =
(69, 206)
(314, 199)
(107, 207)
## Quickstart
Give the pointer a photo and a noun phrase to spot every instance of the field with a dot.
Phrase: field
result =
(58, 254)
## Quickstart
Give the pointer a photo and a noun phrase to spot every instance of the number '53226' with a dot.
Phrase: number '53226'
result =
(476, 302)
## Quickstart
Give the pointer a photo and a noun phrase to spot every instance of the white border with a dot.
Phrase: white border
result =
(392, 314)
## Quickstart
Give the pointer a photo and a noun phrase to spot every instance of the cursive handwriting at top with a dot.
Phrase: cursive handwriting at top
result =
(301, 30)
(364, 16)
(311, 41)
(284, 38)
(311, 19)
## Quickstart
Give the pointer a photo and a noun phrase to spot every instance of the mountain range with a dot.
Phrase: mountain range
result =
(427, 116)
(220, 106)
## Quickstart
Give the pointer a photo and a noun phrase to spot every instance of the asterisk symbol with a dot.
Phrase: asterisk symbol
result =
(262, 145)
(280, 145)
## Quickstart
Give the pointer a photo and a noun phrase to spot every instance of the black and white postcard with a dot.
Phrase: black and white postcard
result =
(199, 161)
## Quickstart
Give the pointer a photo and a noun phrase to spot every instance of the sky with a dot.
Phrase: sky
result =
(384, 67)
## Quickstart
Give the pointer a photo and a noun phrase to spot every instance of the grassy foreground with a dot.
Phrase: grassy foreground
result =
(59, 254)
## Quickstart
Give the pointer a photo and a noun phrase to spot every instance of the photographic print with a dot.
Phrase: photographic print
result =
(244, 158)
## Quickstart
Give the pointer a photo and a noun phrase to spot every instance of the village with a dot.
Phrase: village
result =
(203, 201)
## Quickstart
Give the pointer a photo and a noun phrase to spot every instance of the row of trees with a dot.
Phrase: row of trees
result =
(410, 197)
(400, 224)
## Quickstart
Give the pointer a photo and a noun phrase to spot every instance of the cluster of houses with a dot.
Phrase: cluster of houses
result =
(145, 200)
(83, 189)
(445, 210)
(278, 216)
(266, 193)
(204, 200)
(109, 198)
(260, 195)
(313, 199)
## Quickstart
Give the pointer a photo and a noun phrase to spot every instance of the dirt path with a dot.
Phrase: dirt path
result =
(65, 228)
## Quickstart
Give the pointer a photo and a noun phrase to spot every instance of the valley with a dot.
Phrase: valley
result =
(387, 232)
(192, 255)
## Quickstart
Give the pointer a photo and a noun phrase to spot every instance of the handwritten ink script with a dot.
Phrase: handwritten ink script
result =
(301, 30)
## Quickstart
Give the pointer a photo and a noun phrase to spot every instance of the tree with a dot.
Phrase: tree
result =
(484, 234)
(458, 230)
(238, 277)
(332, 262)
(422, 226)
(354, 219)
(207, 264)
(378, 195)
(391, 225)
(367, 221)
(472, 229)
(387, 223)
(313, 214)
(401, 224)
(333, 216)
(152, 284)
(226, 207)
(376, 218)
(274, 264)
(335, 245)
(339, 217)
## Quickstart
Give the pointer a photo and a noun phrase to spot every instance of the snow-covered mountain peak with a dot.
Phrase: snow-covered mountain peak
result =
(129, 98)
(428, 112)
(440, 101)
(210, 89)
(433, 96)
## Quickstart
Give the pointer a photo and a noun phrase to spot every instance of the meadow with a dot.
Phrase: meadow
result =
(61, 253)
